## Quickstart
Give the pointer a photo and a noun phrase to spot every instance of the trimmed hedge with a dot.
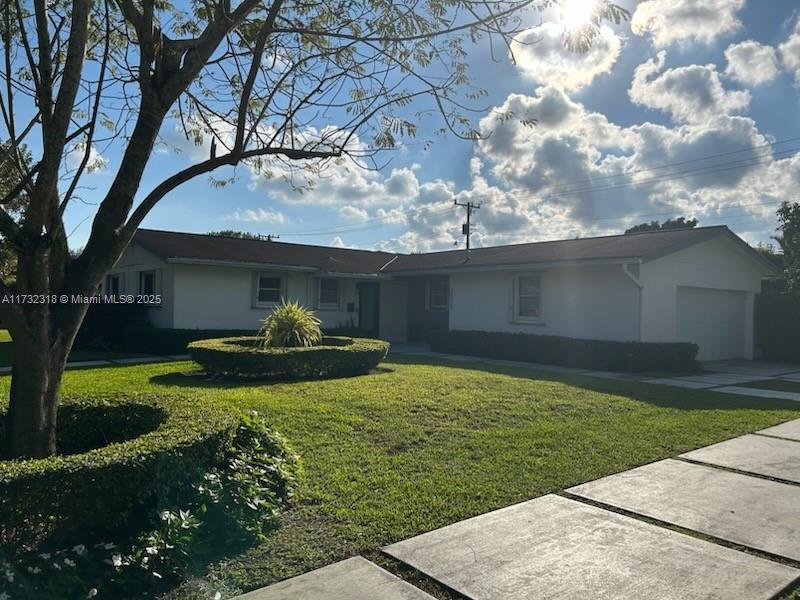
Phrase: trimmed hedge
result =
(154, 340)
(334, 357)
(778, 327)
(99, 493)
(571, 352)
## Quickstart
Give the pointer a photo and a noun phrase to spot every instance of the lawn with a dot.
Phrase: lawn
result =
(391, 455)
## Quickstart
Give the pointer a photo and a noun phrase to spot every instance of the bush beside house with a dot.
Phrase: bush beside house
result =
(570, 352)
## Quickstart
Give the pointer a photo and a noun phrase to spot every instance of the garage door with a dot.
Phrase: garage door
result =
(714, 320)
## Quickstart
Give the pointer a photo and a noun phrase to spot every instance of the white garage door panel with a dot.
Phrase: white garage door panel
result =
(714, 320)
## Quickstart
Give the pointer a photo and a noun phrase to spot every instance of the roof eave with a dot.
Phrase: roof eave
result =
(519, 266)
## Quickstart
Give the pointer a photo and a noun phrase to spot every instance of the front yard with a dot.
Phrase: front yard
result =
(422, 445)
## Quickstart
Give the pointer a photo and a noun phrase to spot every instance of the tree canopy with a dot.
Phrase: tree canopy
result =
(678, 223)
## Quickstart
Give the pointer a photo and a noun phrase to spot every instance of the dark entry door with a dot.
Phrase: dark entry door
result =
(368, 307)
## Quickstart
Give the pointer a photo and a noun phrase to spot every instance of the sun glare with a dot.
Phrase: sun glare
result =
(576, 14)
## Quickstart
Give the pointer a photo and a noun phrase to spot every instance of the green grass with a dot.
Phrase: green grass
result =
(391, 455)
(780, 385)
(7, 352)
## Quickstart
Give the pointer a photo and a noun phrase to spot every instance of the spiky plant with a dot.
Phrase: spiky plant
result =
(290, 325)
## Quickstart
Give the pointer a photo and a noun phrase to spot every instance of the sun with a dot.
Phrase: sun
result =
(576, 14)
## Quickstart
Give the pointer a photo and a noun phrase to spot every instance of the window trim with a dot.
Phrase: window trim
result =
(257, 287)
(518, 318)
(156, 281)
(438, 307)
(329, 305)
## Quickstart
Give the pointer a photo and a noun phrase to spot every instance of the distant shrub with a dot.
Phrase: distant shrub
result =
(103, 323)
(147, 339)
(290, 325)
(572, 352)
(778, 327)
(243, 357)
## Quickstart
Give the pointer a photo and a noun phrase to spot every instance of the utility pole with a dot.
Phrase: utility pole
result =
(465, 228)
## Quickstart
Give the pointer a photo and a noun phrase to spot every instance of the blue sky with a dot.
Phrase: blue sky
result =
(689, 109)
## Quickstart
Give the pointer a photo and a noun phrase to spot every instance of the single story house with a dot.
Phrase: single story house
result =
(695, 285)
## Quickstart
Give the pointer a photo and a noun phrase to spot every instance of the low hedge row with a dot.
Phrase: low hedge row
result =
(778, 327)
(334, 357)
(154, 340)
(571, 352)
(98, 493)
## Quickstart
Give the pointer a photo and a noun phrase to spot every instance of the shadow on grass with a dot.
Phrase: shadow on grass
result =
(651, 393)
(198, 378)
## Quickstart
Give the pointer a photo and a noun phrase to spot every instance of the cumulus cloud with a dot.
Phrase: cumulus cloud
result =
(668, 21)
(540, 55)
(692, 93)
(790, 53)
(353, 213)
(751, 63)
(75, 154)
(579, 174)
(258, 215)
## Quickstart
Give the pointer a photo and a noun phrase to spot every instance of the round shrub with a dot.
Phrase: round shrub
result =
(104, 489)
(333, 357)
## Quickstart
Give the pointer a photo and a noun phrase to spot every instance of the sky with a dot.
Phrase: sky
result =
(689, 109)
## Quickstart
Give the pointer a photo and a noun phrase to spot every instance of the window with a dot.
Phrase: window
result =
(328, 293)
(114, 285)
(147, 283)
(528, 297)
(268, 289)
(439, 290)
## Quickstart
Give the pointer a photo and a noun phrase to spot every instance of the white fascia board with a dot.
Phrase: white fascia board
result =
(519, 266)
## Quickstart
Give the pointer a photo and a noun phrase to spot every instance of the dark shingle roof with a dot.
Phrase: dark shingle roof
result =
(642, 246)
(639, 246)
(213, 248)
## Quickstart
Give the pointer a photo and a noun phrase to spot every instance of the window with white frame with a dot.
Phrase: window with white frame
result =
(528, 297)
(268, 289)
(328, 296)
(439, 293)
(147, 283)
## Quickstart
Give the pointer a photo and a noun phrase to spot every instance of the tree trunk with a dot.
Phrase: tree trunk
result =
(40, 356)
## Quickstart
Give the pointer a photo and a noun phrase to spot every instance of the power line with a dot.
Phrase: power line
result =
(470, 206)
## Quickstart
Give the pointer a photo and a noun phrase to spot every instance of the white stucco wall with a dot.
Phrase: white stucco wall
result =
(131, 263)
(211, 297)
(584, 302)
(720, 264)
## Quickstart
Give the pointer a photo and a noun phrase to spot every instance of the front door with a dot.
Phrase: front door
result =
(368, 307)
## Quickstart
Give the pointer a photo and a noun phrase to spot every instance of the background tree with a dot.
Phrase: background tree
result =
(789, 240)
(12, 165)
(678, 223)
(244, 235)
(280, 85)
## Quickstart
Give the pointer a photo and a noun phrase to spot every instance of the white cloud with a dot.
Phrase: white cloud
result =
(75, 154)
(751, 63)
(692, 93)
(353, 213)
(667, 21)
(540, 54)
(258, 215)
(790, 53)
(338, 242)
